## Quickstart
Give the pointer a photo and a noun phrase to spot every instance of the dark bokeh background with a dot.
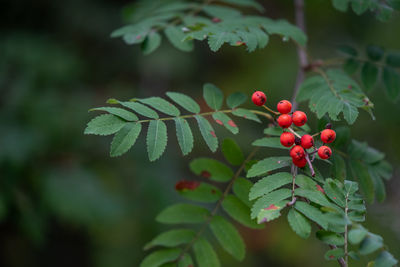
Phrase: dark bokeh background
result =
(65, 202)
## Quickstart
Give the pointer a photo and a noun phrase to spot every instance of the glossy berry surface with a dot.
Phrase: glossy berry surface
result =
(287, 139)
(328, 136)
(297, 153)
(284, 107)
(324, 152)
(285, 120)
(259, 98)
(300, 163)
(307, 141)
(299, 118)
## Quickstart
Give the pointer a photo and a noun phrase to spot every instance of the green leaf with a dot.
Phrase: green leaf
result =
(269, 184)
(385, 259)
(245, 3)
(384, 13)
(122, 113)
(185, 261)
(161, 105)
(267, 165)
(239, 211)
(125, 138)
(184, 101)
(221, 12)
(374, 52)
(383, 169)
(369, 75)
(299, 223)
(347, 50)
(160, 257)
(393, 60)
(351, 66)
(232, 152)
(151, 43)
(273, 131)
(203, 193)
(211, 169)
(379, 186)
(360, 6)
(273, 142)
(271, 213)
(332, 94)
(176, 36)
(223, 119)
(228, 237)
(269, 199)
(141, 109)
(183, 213)
(356, 235)
(208, 133)
(246, 114)
(184, 135)
(213, 96)
(171, 238)
(285, 29)
(241, 188)
(334, 254)
(370, 244)
(391, 80)
(330, 238)
(205, 254)
(314, 196)
(340, 5)
(312, 213)
(236, 99)
(335, 192)
(104, 125)
(156, 139)
(360, 173)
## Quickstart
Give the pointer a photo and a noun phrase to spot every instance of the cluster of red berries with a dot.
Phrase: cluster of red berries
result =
(298, 152)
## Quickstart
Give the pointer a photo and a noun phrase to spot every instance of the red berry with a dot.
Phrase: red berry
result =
(287, 139)
(299, 118)
(328, 136)
(284, 120)
(324, 152)
(259, 98)
(300, 163)
(307, 141)
(297, 153)
(284, 106)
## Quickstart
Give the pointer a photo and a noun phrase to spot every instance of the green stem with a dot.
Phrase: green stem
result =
(218, 205)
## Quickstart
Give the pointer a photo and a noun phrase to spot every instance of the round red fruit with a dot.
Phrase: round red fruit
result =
(287, 139)
(328, 136)
(259, 98)
(300, 163)
(297, 153)
(324, 152)
(307, 141)
(284, 120)
(299, 118)
(284, 107)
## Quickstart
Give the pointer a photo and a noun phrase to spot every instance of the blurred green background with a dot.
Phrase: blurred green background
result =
(65, 202)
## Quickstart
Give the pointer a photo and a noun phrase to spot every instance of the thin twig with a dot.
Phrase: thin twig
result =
(301, 52)
(310, 165)
(218, 205)
(346, 210)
